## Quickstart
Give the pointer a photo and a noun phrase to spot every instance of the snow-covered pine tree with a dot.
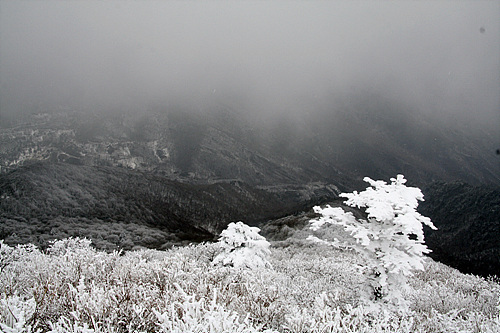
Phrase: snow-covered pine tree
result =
(243, 247)
(391, 239)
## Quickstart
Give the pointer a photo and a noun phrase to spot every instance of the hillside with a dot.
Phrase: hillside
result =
(182, 144)
(468, 222)
(122, 207)
(338, 142)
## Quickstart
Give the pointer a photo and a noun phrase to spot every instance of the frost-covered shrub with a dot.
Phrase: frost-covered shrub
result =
(5, 254)
(65, 325)
(203, 252)
(70, 245)
(15, 313)
(391, 240)
(10, 254)
(243, 247)
(203, 316)
(445, 290)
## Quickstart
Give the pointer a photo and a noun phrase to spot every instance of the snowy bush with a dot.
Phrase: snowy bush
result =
(391, 240)
(203, 316)
(70, 245)
(243, 247)
(15, 314)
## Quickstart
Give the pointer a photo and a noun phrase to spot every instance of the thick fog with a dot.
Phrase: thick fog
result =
(271, 57)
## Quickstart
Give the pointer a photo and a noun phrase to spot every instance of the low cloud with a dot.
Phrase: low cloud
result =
(272, 57)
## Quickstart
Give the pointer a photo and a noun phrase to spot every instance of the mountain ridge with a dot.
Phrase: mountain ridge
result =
(337, 144)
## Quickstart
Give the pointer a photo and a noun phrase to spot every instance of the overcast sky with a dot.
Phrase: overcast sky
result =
(439, 56)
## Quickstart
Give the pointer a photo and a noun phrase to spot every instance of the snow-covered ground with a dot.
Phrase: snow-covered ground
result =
(71, 287)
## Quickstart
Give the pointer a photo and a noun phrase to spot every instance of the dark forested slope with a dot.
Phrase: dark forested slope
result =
(468, 222)
(45, 200)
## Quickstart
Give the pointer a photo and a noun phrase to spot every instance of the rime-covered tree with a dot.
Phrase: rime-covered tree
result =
(243, 247)
(391, 238)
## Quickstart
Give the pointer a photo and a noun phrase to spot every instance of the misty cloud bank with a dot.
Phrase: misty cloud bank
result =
(270, 57)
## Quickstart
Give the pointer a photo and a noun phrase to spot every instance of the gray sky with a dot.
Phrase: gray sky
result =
(278, 56)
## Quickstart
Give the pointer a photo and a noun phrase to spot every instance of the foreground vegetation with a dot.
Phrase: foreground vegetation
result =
(72, 287)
